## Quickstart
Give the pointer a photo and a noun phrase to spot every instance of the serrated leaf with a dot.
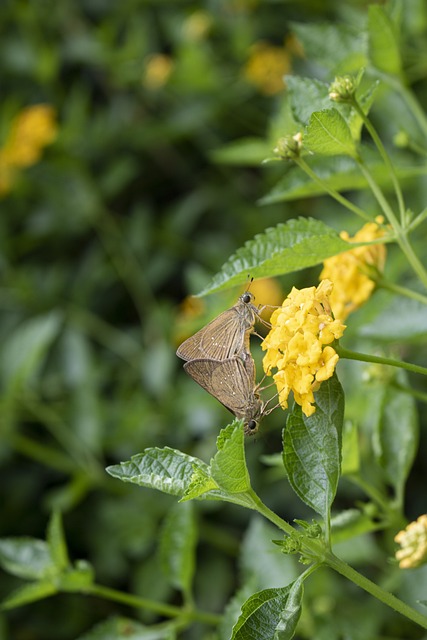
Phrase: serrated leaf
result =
(228, 467)
(120, 628)
(312, 448)
(29, 593)
(339, 173)
(57, 543)
(246, 152)
(306, 95)
(396, 434)
(167, 470)
(403, 320)
(24, 349)
(288, 247)
(383, 45)
(232, 611)
(271, 614)
(178, 545)
(328, 134)
(341, 48)
(201, 483)
(26, 558)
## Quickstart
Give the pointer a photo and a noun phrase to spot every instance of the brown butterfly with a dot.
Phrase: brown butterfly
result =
(226, 335)
(232, 382)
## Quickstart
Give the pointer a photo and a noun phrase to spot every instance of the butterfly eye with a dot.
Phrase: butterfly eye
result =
(247, 297)
(252, 425)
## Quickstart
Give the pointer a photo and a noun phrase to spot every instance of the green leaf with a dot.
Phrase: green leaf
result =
(305, 96)
(312, 448)
(338, 47)
(29, 593)
(167, 470)
(288, 247)
(351, 523)
(403, 320)
(246, 152)
(328, 134)
(228, 467)
(26, 558)
(120, 628)
(57, 543)
(178, 545)
(339, 173)
(383, 44)
(201, 483)
(232, 611)
(350, 448)
(270, 614)
(396, 434)
(24, 349)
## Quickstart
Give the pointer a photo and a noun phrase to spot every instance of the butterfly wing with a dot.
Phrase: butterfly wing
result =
(225, 336)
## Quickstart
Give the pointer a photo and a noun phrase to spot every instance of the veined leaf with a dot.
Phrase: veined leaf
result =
(26, 558)
(338, 47)
(328, 134)
(271, 614)
(396, 433)
(228, 467)
(167, 470)
(289, 247)
(178, 544)
(383, 44)
(339, 173)
(306, 95)
(312, 448)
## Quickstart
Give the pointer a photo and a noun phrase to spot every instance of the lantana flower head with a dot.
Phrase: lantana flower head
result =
(299, 347)
(349, 271)
(413, 542)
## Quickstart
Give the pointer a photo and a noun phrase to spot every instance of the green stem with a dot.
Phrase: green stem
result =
(383, 596)
(167, 610)
(378, 143)
(402, 291)
(328, 558)
(414, 106)
(363, 357)
(334, 194)
(418, 395)
(370, 491)
(401, 238)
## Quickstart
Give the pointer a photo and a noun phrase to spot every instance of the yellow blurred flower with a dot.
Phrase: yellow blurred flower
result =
(298, 344)
(197, 26)
(158, 69)
(413, 542)
(266, 67)
(266, 289)
(348, 271)
(32, 129)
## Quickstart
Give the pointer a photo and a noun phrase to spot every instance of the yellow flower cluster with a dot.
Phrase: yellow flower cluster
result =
(413, 542)
(266, 67)
(298, 344)
(32, 129)
(348, 271)
(158, 68)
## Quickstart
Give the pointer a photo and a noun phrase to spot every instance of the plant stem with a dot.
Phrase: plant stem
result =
(414, 106)
(402, 291)
(167, 610)
(334, 194)
(363, 357)
(384, 596)
(401, 238)
(378, 143)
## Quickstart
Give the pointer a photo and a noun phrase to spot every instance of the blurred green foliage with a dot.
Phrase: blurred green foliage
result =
(127, 213)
